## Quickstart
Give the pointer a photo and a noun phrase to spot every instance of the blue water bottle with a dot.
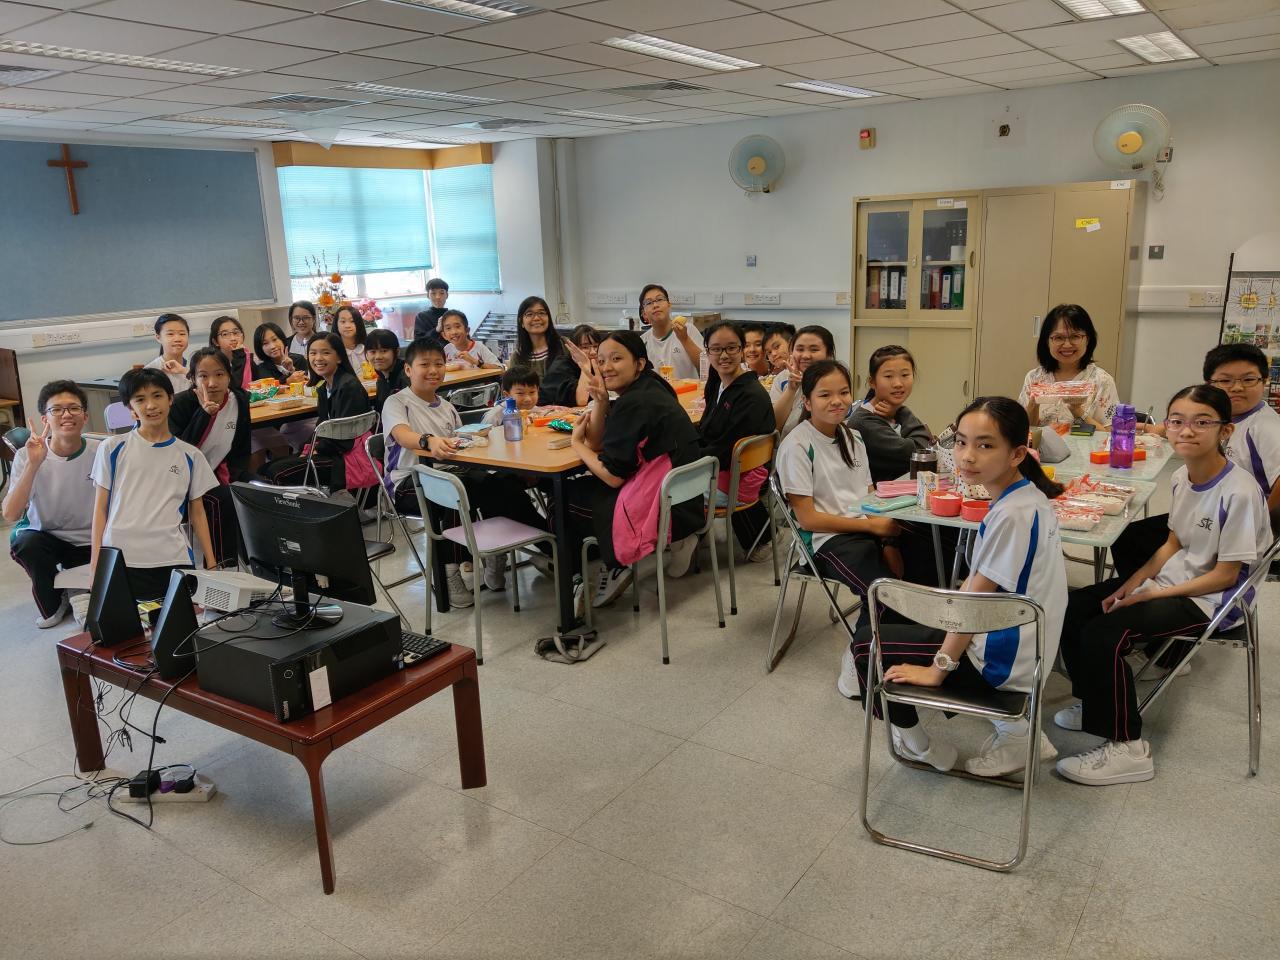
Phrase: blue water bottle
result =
(1124, 425)
(512, 423)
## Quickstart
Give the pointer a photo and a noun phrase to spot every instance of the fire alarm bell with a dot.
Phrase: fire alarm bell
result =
(867, 138)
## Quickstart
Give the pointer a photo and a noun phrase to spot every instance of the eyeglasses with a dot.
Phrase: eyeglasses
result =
(1225, 383)
(537, 315)
(646, 304)
(1058, 339)
(229, 333)
(1198, 425)
(72, 411)
(730, 351)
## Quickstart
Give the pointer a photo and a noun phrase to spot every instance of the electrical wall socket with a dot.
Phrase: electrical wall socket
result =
(610, 299)
(765, 299)
(718, 299)
(842, 298)
(1195, 298)
(56, 338)
(683, 299)
(143, 329)
(1213, 298)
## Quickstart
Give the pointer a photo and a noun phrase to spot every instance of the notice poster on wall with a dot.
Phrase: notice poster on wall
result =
(1251, 314)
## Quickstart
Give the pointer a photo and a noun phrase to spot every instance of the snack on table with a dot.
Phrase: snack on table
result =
(1075, 517)
(896, 488)
(1061, 390)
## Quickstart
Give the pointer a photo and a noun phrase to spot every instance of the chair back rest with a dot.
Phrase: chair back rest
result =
(346, 428)
(375, 446)
(16, 438)
(697, 479)
(469, 398)
(473, 416)
(442, 489)
(119, 417)
(1244, 594)
(798, 536)
(954, 610)
(752, 452)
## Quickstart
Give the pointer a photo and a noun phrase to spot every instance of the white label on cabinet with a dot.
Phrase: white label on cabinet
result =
(961, 204)
(1093, 227)
(1120, 184)
(946, 202)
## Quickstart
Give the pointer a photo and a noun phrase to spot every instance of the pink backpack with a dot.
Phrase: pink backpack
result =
(635, 515)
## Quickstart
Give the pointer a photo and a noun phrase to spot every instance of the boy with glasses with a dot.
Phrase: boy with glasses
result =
(51, 497)
(669, 343)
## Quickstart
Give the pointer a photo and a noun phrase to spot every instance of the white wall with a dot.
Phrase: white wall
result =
(660, 205)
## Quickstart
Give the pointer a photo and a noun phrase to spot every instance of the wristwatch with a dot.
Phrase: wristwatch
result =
(944, 663)
(424, 442)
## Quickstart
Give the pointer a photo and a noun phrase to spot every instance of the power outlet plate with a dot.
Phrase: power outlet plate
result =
(765, 299)
(611, 299)
(55, 338)
(142, 329)
(842, 299)
(1213, 298)
(683, 299)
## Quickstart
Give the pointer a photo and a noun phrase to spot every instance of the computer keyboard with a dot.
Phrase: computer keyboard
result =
(418, 648)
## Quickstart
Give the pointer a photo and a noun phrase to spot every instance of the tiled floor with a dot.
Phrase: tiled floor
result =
(703, 809)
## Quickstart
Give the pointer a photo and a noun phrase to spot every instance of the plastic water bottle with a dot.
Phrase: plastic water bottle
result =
(1123, 427)
(512, 422)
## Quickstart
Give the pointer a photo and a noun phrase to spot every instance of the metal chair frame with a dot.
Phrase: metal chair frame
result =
(118, 417)
(375, 449)
(446, 490)
(748, 454)
(954, 610)
(341, 428)
(478, 397)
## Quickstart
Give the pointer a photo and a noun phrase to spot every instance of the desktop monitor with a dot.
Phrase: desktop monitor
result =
(112, 617)
(173, 637)
(314, 540)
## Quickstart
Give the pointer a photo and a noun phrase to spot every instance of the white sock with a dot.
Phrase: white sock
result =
(1012, 728)
(915, 738)
(1135, 746)
(450, 569)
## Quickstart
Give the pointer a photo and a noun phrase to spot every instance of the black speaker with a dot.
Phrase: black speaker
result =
(113, 613)
(173, 637)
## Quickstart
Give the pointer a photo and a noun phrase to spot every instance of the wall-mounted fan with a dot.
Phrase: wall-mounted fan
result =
(756, 163)
(1132, 138)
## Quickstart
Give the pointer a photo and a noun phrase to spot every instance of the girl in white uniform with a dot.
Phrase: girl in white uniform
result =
(1218, 528)
(1017, 551)
(810, 344)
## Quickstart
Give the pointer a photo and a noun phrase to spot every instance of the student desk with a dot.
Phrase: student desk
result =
(311, 739)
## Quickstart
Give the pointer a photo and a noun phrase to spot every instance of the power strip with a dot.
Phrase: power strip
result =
(203, 791)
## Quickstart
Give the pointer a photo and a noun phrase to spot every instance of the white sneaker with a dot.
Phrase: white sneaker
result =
(466, 568)
(460, 594)
(847, 682)
(80, 607)
(940, 755)
(579, 598)
(762, 553)
(611, 585)
(1004, 753)
(495, 571)
(1109, 763)
(680, 556)
(55, 618)
(1070, 718)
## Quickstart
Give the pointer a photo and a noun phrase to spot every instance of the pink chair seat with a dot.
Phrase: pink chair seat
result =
(495, 534)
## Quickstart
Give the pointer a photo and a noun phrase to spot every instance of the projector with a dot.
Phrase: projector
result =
(228, 590)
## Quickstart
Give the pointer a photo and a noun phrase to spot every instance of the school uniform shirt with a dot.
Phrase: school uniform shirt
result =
(346, 398)
(1224, 519)
(150, 486)
(1101, 406)
(178, 380)
(809, 464)
(298, 344)
(241, 368)
(387, 385)
(775, 393)
(670, 349)
(740, 410)
(477, 349)
(225, 439)
(62, 495)
(1019, 548)
(1255, 445)
(356, 356)
(438, 418)
(890, 443)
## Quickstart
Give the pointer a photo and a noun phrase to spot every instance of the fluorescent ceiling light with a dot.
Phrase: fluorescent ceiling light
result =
(476, 9)
(615, 117)
(223, 122)
(415, 93)
(1158, 47)
(26, 108)
(834, 89)
(121, 59)
(1096, 9)
(694, 56)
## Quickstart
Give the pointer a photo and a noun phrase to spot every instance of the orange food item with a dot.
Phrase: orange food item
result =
(1099, 456)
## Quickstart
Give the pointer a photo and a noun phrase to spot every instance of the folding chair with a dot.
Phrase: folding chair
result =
(473, 398)
(803, 568)
(119, 418)
(342, 428)
(748, 454)
(375, 446)
(682, 484)
(483, 538)
(954, 610)
(1244, 634)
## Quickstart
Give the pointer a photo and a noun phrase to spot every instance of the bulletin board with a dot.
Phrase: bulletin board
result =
(1251, 314)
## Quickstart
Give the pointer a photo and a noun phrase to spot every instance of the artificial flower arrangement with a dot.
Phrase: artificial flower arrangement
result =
(370, 310)
(327, 285)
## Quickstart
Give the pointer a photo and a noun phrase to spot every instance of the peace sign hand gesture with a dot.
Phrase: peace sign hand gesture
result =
(35, 446)
(576, 353)
(595, 385)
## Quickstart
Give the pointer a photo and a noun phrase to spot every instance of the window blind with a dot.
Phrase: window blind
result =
(466, 228)
(375, 220)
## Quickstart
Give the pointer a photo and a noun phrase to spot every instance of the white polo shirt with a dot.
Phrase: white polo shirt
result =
(178, 381)
(1018, 548)
(1255, 445)
(62, 494)
(477, 349)
(217, 441)
(670, 349)
(810, 465)
(1224, 519)
(150, 486)
(406, 408)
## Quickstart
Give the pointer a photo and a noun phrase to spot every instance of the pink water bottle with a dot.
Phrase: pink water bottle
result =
(1124, 425)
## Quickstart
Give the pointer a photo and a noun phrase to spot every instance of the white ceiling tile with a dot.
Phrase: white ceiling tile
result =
(777, 4)
(1120, 59)
(1249, 57)
(738, 32)
(201, 93)
(835, 16)
(1225, 48)
(444, 51)
(441, 118)
(941, 92)
(166, 126)
(1089, 31)
(1028, 73)
(955, 26)
(132, 73)
(238, 52)
(721, 98)
(598, 79)
(936, 53)
(643, 108)
(928, 86)
(402, 15)
(222, 16)
(390, 110)
(694, 114)
(762, 79)
(266, 83)
(1007, 61)
(981, 4)
(531, 65)
(786, 52)
(1082, 51)
(97, 116)
(539, 31)
(520, 90)
(442, 79)
(1200, 13)
(847, 66)
(15, 15)
(106, 86)
(598, 54)
(1237, 30)
(348, 68)
(514, 111)
(875, 81)
(1027, 15)
(1155, 68)
(587, 100)
(330, 33)
(654, 15)
(58, 98)
(98, 33)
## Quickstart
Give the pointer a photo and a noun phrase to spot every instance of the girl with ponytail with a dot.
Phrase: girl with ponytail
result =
(1016, 550)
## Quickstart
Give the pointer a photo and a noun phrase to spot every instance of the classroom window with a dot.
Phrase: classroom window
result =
(466, 230)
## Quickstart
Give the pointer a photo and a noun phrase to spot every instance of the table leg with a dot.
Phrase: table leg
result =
(937, 555)
(313, 758)
(83, 717)
(470, 731)
(1099, 564)
(560, 527)
(962, 543)
(439, 586)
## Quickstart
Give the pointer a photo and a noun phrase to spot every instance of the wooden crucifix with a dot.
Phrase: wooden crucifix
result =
(69, 167)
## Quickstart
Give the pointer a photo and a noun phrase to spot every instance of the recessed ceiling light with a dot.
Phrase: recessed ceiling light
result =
(26, 108)
(834, 89)
(415, 93)
(223, 122)
(615, 117)
(121, 59)
(476, 9)
(694, 56)
(1096, 9)
(1158, 47)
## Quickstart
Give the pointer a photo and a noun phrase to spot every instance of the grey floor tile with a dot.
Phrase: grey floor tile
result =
(776, 942)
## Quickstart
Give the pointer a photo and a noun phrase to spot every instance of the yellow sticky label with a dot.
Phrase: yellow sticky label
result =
(1084, 222)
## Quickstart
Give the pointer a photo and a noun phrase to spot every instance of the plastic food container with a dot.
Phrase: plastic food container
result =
(945, 505)
(974, 510)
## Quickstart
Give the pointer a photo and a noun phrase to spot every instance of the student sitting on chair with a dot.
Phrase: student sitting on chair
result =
(272, 359)
(891, 432)
(173, 333)
(1065, 351)
(537, 343)
(1241, 371)
(521, 385)
(348, 323)
(228, 336)
(1218, 527)
(50, 496)
(382, 350)
(669, 342)
(1018, 550)
(214, 417)
(303, 322)
(148, 483)
(736, 406)
(810, 344)
(753, 356)
(567, 381)
(777, 348)
(339, 394)
(460, 351)
(427, 322)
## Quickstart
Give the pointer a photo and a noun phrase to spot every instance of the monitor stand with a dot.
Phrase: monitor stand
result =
(303, 616)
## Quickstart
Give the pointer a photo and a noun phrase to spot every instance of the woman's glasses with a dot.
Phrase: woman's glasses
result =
(1058, 339)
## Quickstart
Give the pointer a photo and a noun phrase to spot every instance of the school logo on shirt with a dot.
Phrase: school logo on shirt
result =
(1206, 523)
(173, 468)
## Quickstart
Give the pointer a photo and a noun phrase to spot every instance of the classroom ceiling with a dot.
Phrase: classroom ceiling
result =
(397, 72)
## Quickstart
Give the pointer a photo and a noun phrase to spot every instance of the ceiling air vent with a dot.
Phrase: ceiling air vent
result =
(13, 76)
(667, 86)
(300, 103)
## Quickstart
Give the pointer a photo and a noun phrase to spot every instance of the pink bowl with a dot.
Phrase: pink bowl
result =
(945, 505)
